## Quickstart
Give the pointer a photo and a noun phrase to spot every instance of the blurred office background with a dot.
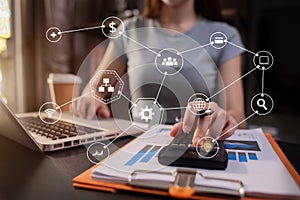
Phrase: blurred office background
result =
(26, 57)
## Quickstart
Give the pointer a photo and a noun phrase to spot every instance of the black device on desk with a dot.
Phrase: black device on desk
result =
(181, 153)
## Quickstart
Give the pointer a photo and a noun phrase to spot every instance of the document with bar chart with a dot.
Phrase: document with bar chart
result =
(251, 160)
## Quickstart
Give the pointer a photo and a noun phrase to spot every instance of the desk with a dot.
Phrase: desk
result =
(25, 174)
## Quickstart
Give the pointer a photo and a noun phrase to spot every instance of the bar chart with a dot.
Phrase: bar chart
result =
(242, 151)
(145, 155)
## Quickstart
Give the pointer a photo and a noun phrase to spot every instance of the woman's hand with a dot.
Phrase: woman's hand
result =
(220, 122)
(87, 107)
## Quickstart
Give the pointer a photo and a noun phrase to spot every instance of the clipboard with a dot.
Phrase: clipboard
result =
(177, 189)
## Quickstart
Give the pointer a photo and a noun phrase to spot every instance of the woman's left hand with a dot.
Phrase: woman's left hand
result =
(219, 125)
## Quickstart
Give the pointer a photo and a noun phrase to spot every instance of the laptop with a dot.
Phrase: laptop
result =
(29, 130)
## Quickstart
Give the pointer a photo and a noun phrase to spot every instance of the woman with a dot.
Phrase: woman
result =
(196, 19)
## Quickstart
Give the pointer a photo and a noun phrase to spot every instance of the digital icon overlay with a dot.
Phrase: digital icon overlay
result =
(263, 60)
(146, 114)
(262, 104)
(102, 86)
(112, 27)
(107, 86)
(207, 147)
(50, 113)
(218, 40)
(96, 152)
(53, 34)
(198, 102)
(146, 110)
(169, 61)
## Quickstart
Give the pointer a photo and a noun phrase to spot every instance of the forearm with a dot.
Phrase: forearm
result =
(239, 116)
(231, 73)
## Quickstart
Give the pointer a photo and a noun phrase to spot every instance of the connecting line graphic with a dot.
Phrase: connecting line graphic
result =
(127, 98)
(235, 126)
(81, 29)
(162, 82)
(231, 83)
(106, 146)
(141, 44)
(242, 48)
(202, 46)
(175, 108)
(57, 107)
(262, 81)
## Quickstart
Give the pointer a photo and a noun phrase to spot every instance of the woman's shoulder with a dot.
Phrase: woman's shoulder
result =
(218, 26)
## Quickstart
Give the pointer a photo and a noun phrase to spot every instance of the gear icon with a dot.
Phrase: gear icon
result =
(146, 113)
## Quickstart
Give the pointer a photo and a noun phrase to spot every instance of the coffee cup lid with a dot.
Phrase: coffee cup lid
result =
(63, 78)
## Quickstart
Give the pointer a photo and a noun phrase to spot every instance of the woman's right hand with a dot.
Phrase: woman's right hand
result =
(87, 107)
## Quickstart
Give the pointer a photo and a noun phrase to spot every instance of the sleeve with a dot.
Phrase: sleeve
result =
(230, 51)
(118, 47)
(121, 43)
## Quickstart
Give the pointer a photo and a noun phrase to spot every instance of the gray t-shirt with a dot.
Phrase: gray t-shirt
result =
(199, 73)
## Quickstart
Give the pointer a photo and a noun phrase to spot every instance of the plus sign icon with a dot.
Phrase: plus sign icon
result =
(53, 34)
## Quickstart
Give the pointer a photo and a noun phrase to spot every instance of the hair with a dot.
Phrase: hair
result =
(209, 9)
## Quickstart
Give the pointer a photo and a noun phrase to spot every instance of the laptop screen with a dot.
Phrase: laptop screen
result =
(11, 128)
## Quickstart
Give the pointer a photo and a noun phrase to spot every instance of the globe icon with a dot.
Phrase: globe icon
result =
(199, 104)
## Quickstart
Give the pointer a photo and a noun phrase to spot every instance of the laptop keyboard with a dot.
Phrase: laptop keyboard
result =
(59, 130)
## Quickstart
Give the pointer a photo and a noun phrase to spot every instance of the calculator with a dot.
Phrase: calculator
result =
(181, 153)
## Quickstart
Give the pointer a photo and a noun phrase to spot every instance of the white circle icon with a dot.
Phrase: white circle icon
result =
(262, 104)
(208, 148)
(112, 27)
(50, 113)
(218, 40)
(198, 102)
(96, 152)
(169, 61)
(53, 34)
(263, 60)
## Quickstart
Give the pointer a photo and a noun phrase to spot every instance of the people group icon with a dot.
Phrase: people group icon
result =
(169, 61)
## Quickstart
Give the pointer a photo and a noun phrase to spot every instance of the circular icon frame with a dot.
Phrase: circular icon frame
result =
(221, 40)
(214, 141)
(59, 34)
(263, 60)
(193, 98)
(104, 148)
(120, 26)
(51, 111)
(176, 53)
(262, 105)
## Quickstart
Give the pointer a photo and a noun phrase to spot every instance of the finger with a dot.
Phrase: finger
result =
(217, 124)
(91, 112)
(81, 108)
(73, 108)
(229, 128)
(175, 129)
(188, 121)
(103, 111)
(70, 106)
(202, 127)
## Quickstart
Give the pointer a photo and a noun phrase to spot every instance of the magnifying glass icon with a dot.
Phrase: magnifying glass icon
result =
(262, 103)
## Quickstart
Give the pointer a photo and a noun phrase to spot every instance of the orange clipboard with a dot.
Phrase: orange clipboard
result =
(84, 180)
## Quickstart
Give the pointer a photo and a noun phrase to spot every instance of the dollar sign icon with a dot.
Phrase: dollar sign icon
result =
(112, 28)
